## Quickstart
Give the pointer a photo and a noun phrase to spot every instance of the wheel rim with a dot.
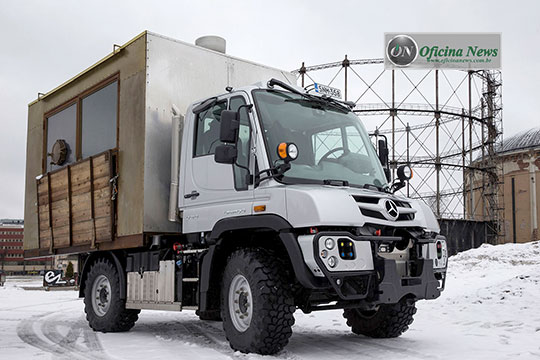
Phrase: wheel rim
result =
(368, 314)
(240, 303)
(101, 295)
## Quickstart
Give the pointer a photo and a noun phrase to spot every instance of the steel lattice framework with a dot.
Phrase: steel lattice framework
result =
(447, 124)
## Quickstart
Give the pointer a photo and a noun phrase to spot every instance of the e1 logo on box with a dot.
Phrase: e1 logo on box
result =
(53, 278)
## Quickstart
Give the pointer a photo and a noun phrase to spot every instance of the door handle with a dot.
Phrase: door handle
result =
(191, 195)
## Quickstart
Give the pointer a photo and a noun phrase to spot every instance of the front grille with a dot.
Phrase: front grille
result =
(366, 199)
(405, 217)
(372, 213)
(402, 203)
(375, 200)
(373, 207)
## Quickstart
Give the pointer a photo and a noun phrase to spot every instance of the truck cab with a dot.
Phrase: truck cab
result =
(275, 173)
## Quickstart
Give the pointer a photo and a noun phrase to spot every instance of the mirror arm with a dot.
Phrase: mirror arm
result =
(273, 172)
(397, 185)
(248, 106)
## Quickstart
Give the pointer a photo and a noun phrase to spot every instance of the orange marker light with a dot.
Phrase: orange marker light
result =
(378, 232)
(259, 208)
(282, 150)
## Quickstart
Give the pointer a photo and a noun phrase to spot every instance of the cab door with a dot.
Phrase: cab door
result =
(213, 191)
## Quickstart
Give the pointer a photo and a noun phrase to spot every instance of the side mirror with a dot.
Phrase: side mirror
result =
(229, 127)
(383, 153)
(225, 154)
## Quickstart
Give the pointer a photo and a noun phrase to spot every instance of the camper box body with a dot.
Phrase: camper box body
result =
(114, 198)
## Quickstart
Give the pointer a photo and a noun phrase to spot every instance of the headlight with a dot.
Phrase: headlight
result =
(329, 243)
(332, 261)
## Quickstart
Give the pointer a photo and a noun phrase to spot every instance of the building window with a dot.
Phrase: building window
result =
(98, 117)
(63, 126)
(87, 124)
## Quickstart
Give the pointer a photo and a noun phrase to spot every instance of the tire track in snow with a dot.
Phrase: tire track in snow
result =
(347, 343)
(38, 305)
(77, 330)
(64, 346)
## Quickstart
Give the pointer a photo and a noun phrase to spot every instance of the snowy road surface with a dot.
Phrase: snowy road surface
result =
(490, 310)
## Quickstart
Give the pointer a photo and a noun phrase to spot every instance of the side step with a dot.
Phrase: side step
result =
(166, 289)
(176, 306)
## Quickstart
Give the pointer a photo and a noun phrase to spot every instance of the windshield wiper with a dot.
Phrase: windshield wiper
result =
(336, 182)
(345, 106)
(311, 100)
(376, 187)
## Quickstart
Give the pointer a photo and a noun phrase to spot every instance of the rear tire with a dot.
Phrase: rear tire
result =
(388, 321)
(256, 303)
(104, 309)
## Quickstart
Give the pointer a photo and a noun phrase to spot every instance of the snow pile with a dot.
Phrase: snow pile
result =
(495, 256)
(490, 305)
(496, 274)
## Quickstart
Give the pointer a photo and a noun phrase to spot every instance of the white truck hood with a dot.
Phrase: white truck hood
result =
(316, 205)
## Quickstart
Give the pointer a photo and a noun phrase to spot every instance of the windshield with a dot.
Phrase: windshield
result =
(332, 142)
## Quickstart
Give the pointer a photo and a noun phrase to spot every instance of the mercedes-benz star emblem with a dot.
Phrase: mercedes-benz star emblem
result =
(391, 209)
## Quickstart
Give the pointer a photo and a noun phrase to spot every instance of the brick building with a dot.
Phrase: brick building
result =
(11, 250)
(11, 245)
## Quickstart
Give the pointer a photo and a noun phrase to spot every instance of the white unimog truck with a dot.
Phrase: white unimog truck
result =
(185, 178)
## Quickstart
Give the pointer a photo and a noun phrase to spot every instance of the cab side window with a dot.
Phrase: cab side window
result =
(207, 132)
(244, 138)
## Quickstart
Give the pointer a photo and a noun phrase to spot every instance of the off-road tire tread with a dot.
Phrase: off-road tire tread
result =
(391, 320)
(270, 327)
(118, 318)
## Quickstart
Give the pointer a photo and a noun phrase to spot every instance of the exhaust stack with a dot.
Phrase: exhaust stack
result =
(212, 42)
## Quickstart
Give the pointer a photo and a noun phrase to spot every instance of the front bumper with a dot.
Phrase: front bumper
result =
(381, 282)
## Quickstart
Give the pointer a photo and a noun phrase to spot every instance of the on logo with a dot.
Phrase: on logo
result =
(402, 50)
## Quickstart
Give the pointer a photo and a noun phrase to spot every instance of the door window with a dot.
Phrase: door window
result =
(207, 132)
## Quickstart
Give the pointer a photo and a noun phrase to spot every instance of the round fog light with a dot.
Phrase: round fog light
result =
(332, 261)
(329, 243)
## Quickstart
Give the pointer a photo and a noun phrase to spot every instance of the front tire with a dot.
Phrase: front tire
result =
(256, 303)
(388, 321)
(104, 309)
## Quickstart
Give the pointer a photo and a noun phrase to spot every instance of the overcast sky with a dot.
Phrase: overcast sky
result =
(47, 42)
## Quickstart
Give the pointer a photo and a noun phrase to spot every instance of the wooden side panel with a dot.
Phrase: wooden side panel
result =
(75, 205)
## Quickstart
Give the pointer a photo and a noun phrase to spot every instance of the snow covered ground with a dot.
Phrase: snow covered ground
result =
(490, 310)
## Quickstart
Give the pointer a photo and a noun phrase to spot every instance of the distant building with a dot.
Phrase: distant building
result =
(519, 159)
(12, 259)
(11, 244)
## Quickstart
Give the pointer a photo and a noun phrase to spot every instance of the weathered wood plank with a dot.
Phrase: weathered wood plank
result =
(74, 204)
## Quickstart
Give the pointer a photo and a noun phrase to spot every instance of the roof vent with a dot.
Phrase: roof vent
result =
(211, 42)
